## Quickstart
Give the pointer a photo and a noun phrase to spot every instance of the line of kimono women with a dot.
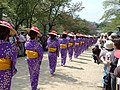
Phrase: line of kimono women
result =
(34, 51)
(69, 43)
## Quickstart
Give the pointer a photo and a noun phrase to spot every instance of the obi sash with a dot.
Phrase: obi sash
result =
(52, 49)
(63, 45)
(5, 64)
(70, 44)
(81, 43)
(31, 54)
(77, 44)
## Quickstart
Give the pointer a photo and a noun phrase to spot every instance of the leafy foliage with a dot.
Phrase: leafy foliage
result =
(48, 15)
(111, 15)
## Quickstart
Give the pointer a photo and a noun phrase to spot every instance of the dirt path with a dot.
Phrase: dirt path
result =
(80, 74)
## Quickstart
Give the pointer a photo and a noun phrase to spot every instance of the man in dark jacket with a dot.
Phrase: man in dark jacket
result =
(96, 51)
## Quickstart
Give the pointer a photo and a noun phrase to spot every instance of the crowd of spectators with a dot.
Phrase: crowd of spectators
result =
(108, 54)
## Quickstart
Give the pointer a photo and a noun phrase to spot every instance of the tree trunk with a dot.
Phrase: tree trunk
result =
(16, 27)
(31, 21)
(44, 27)
(32, 14)
(19, 23)
(27, 23)
(50, 27)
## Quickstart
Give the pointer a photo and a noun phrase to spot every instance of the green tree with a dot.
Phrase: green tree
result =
(112, 8)
(70, 23)
(47, 15)
(111, 15)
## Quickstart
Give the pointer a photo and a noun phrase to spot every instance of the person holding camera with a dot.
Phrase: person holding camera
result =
(106, 56)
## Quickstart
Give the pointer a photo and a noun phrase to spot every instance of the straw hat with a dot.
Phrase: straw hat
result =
(53, 33)
(117, 53)
(33, 28)
(108, 44)
(7, 25)
(77, 34)
(64, 33)
(71, 34)
(81, 35)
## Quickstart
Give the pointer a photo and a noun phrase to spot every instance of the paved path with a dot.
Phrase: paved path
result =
(80, 74)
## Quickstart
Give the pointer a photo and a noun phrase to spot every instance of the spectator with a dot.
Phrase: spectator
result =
(43, 40)
(96, 51)
(113, 36)
(103, 39)
(106, 56)
(12, 39)
(21, 44)
(27, 37)
(116, 62)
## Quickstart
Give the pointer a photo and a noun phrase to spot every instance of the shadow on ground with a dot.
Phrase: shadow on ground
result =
(22, 82)
(88, 56)
(80, 61)
(72, 67)
(21, 79)
(84, 59)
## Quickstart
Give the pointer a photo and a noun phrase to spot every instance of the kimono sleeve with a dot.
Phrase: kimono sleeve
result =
(40, 51)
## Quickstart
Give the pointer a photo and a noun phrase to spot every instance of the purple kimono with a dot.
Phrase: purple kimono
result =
(7, 51)
(86, 43)
(70, 47)
(63, 50)
(82, 46)
(53, 52)
(76, 47)
(34, 63)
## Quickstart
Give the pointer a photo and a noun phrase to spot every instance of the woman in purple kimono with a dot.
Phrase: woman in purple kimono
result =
(82, 44)
(63, 48)
(70, 45)
(8, 56)
(76, 46)
(34, 54)
(53, 51)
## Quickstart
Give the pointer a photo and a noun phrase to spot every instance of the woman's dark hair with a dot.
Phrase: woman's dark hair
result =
(4, 32)
(117, 43)
(64, 35)
(77, 36)
(32, 34)
(52, 36)
(71, 37)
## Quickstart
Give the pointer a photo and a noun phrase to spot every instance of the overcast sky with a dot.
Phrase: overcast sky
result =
(93, 10)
